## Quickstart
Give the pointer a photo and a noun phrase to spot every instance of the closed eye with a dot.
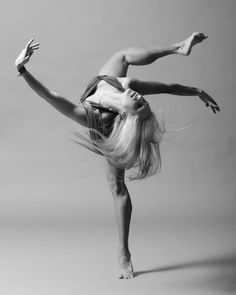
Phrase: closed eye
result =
(133, 94)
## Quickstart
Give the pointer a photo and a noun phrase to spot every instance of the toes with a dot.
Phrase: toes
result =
(126, 275)
(203, 35)
(131, 275)
(199, 36)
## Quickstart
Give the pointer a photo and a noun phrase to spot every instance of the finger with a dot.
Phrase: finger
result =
(202, 35)
(34, 48)
(216, 107)
(211, 100)
(208, 98)
(213, 109)
(215, 103)
(28, 44)
(34, 45)
(27, 58)
(28, 54)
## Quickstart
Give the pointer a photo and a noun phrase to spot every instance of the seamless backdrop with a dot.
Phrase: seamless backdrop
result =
(46, 178)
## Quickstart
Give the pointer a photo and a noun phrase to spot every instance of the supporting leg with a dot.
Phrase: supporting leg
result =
(123, 210)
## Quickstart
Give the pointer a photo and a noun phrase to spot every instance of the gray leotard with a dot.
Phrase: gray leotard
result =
(96, 116)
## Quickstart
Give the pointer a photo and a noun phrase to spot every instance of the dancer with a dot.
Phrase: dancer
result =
(121, 124)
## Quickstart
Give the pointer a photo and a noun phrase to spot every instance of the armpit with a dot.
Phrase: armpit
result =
(125, 82)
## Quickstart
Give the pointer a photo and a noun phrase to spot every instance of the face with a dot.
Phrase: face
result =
(134, 103)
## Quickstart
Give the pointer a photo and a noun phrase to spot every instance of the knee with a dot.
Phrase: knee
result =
(120, 56)
(117, 186)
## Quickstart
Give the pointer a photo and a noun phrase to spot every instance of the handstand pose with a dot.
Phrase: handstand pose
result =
(121, 124)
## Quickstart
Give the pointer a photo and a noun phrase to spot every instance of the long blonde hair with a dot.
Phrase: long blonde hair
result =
(132, 143)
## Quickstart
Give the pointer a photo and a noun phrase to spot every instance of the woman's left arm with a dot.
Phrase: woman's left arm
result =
(153, 87)
(178, 89)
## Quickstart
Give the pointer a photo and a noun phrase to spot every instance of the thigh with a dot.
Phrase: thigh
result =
(116, 181)
(114, 173)
(116, 66)
(115, 177)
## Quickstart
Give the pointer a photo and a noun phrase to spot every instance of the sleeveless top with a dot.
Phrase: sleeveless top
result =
(92, 86)
(95, 117)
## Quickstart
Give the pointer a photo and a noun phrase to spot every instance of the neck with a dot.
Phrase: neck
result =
(112, 101)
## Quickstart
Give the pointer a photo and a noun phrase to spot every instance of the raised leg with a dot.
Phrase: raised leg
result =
(118, 64)
(123, 210)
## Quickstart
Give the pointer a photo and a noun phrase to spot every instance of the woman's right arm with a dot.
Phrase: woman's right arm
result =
(76, 113)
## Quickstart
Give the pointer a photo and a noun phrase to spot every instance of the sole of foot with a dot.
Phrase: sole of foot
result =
(185, 46)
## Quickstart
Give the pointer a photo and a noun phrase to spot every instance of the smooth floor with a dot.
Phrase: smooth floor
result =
(169, 258)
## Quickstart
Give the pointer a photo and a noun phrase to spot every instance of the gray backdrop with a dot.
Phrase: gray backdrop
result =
(45, 177)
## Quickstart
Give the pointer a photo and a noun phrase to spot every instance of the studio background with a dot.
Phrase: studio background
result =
(46, 178)
(58, 233)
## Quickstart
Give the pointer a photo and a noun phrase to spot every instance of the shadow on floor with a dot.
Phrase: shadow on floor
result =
(221, 272)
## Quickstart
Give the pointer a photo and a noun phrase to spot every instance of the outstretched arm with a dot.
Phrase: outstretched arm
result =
(149, 87)
(63, 105)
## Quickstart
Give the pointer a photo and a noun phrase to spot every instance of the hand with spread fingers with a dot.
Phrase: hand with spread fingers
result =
(26, 53)
(209, 101)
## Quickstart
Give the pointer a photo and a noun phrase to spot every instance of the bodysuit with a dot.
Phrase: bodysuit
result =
(95, 110)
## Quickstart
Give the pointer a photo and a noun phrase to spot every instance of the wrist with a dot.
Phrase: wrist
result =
(18, 65)
(199, 91)
(21, 70)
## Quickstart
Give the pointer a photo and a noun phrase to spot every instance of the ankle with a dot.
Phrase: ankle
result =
(177, 47)
(124, 251)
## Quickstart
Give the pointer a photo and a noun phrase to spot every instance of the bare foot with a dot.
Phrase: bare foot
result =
(126, 267)
(185, 47)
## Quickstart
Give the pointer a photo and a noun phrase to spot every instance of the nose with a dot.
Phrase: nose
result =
(130, 91)
(133, 94)
(139, 97)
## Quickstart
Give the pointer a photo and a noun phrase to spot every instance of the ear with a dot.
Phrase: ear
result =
(122, 114)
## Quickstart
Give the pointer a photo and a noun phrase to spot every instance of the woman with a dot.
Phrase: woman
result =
(122, 126)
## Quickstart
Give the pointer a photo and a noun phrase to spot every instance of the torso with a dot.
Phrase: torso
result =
(105, 91)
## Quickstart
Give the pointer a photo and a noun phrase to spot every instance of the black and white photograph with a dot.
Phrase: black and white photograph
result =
(118, 147)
